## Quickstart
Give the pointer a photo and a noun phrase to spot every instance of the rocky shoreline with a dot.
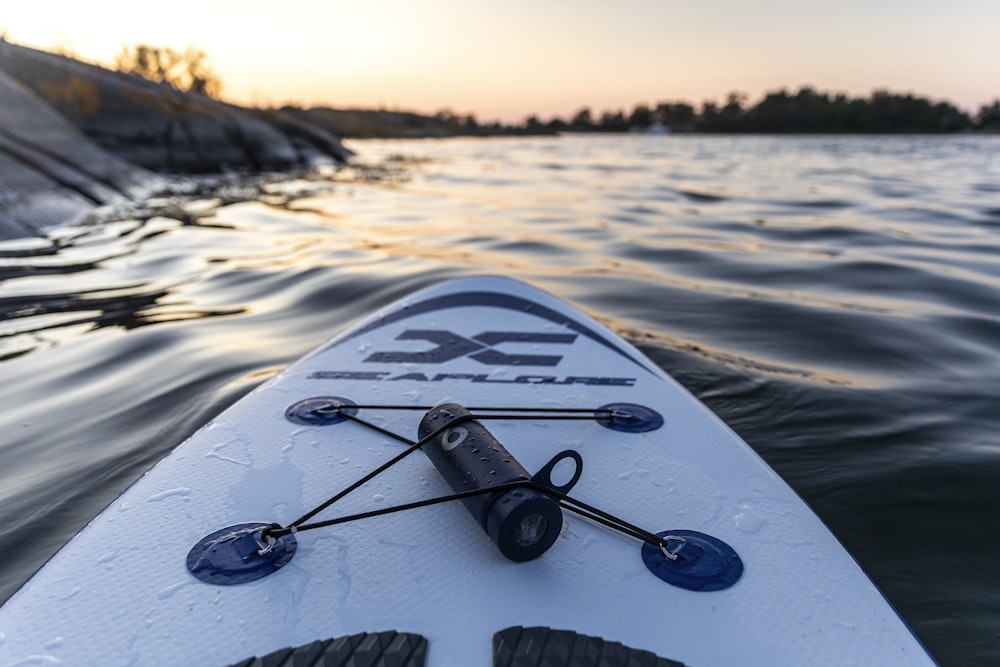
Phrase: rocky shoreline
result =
(75, 136)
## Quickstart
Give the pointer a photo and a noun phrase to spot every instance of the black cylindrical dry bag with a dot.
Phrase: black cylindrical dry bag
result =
(522, 522)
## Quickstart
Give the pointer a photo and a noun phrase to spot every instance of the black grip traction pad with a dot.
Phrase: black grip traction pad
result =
(545, 647)
(367, 649)
(513, 647)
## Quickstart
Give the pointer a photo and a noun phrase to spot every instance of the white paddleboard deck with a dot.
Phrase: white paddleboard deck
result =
(120, 592)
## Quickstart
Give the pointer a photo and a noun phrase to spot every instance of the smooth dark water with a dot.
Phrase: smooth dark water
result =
(836, 300)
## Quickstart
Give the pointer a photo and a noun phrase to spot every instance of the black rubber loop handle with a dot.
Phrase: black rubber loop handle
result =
(544, 475)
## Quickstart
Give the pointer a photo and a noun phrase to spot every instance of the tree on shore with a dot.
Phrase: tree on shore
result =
(988, 117)
(641, 118)
(582, 120)
(676, 114)
(613, 121)
(188, 70)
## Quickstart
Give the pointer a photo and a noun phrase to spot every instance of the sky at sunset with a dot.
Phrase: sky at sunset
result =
(506, 60)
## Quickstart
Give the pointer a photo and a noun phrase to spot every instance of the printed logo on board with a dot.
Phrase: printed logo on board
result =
(443, 346)
(482, 348)
(476, 378)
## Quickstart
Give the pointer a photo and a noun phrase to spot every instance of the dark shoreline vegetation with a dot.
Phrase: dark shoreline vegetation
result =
(784, 112)
(779, 112)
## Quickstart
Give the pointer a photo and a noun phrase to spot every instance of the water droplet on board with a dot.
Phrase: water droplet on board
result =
(167, 592)
(227, 451)
(378, 498)
(747, 520)
(72, 593)
(183, 492)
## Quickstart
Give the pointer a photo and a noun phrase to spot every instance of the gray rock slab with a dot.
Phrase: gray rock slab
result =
(75, 135)
(157, 126)
(50, 173)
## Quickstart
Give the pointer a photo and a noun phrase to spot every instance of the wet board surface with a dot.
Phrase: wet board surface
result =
(121, 592)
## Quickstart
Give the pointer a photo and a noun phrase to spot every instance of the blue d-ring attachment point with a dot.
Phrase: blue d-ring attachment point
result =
(239, 554)
(321, 410)
(629, 418)
(694, 561)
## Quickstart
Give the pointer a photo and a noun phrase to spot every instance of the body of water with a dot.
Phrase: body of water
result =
(836, 300)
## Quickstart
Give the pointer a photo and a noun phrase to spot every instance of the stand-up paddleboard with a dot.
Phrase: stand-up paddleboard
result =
(479, 474)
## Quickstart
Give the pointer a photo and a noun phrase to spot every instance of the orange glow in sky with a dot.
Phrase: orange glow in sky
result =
(549, 57)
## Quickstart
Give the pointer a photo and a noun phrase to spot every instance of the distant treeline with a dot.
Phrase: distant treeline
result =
(783, 112)
(805, 111)
(779, 112)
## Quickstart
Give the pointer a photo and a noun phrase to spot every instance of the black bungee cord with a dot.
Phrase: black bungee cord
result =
(523, 516)
(271, 533)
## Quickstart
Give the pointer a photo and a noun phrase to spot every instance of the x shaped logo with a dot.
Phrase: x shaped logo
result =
(481, 347)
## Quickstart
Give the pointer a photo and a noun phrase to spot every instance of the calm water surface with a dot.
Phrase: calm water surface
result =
(835, 300)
